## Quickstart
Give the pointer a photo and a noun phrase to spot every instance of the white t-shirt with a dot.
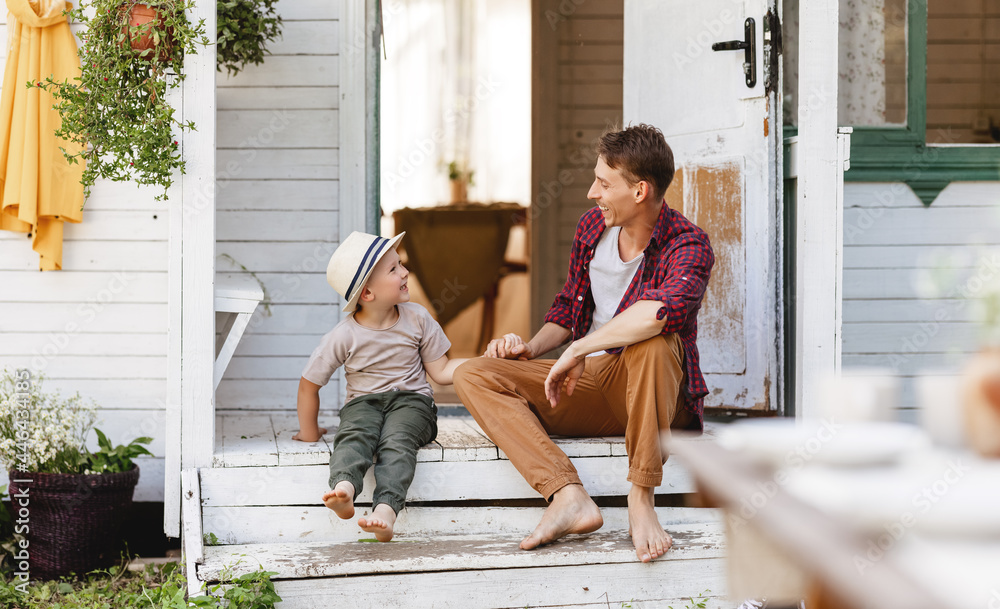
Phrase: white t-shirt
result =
(609, 278)
(376, 361)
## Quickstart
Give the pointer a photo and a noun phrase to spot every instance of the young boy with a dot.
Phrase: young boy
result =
(386, 346)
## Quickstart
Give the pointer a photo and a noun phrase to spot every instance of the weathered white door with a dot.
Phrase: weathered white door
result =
(719, 112)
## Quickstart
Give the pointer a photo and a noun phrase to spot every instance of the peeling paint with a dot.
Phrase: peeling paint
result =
(713, 199)
(450, 553)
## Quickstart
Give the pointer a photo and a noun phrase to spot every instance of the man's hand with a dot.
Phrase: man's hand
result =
(567, 370)
(510, 346)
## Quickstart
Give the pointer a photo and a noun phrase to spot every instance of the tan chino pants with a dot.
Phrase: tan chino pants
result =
(636, 393)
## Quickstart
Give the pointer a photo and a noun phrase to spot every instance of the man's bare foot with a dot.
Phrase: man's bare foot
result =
(648, 537)
(341, 499)
(380, 523)
(571, 511)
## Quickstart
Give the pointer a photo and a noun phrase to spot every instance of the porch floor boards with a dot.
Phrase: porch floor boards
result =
(255, 440)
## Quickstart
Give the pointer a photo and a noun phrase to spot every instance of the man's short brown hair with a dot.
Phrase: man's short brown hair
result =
(640, 153)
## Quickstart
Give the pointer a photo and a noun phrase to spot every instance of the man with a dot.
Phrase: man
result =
(637, 274)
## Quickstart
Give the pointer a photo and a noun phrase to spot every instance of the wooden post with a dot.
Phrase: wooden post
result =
(360, 62)
(543, 224)
(198, 252)
(819, 207)
(172, 447)
(360, 59)
(194, 548)
(190, 431)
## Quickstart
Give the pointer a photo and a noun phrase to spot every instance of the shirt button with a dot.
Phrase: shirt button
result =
(580, 298)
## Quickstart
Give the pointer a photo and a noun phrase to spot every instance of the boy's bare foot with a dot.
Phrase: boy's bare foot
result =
(380, 523)
(648, 536)
(341, 499)
(310, 437)
(571, 511)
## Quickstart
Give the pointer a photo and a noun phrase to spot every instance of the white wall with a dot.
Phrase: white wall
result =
(277, 202)
(907, 271)
(100, 325)
(590, 102)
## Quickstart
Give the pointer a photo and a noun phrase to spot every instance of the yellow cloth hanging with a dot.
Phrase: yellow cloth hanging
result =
(39, 189)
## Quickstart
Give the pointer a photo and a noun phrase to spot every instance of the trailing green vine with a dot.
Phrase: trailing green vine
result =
(244, 29)
(116, 115)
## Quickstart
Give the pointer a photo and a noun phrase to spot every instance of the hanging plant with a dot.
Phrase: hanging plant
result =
(244, 29)
(117, 111)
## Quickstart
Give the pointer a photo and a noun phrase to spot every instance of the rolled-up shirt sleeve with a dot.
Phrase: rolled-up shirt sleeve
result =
(561, 311)
(688, 269)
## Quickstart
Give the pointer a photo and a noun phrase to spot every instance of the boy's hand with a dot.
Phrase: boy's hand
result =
(510, 346)
(306, 437)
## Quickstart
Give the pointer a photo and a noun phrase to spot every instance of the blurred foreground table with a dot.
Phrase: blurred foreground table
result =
(919, 532)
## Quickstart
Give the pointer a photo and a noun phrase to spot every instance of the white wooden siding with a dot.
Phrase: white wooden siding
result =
(587, 100)
(277, 211)
(100, 325)
(894, 247)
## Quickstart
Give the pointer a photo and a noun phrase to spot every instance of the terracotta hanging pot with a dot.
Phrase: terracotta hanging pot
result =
(141, 15)
(981, 385)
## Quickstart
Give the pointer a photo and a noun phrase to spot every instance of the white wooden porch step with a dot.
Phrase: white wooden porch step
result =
(595, 586)
(263, 500)
(489, 570)
(265, 439)
(268, 524)
(446, 553)
(257, 463)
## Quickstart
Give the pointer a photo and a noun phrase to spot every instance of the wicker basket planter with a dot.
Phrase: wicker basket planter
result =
(74, 520)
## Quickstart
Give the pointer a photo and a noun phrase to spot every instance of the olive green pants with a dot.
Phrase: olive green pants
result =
(386, 428)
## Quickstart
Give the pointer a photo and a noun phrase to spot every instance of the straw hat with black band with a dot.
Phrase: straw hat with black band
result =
(353, 262)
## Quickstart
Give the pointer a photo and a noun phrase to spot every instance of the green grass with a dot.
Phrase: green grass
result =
(156, 587)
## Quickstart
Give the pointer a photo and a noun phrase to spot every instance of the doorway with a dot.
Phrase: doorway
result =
(455, 148)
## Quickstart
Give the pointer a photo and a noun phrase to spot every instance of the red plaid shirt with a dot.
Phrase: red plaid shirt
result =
(675, 270)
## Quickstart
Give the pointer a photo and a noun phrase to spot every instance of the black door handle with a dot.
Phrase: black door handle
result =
(731, 45)
(749, 47)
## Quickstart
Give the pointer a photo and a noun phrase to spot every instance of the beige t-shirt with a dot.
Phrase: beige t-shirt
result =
(376, 361)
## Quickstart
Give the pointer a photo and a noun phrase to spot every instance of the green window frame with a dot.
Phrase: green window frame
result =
(901, 153)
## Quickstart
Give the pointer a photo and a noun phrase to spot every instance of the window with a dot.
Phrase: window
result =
(920, 83)
(963, 72)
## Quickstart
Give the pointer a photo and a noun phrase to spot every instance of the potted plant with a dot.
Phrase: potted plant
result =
(116, 114)
(244, 28)
(460, 179)
(141, 18)
(72, 501)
